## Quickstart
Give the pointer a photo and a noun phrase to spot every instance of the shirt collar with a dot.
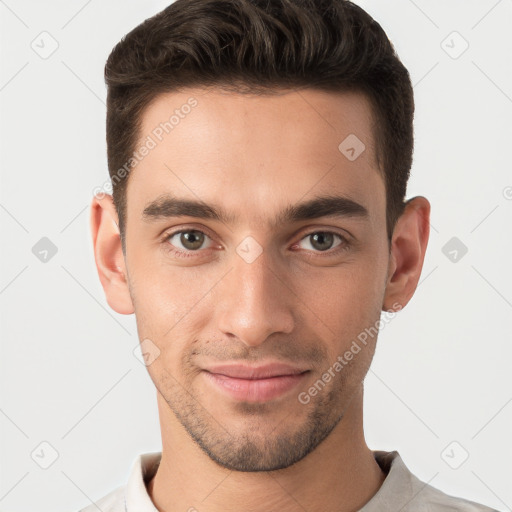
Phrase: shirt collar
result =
(136, 497)
(399, 485)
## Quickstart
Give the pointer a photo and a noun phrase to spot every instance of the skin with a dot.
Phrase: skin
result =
(254, 156)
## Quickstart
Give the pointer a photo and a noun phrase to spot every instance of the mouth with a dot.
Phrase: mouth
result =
(262, 371)
(254, 383)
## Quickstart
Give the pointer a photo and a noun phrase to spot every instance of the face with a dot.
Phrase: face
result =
(256, 253)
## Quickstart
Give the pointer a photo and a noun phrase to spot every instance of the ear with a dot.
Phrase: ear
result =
(108, 254)
(408, 247)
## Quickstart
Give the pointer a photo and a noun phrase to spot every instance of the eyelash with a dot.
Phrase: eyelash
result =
(343, 246)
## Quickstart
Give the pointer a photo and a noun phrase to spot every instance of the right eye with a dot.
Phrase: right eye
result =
(188, 240)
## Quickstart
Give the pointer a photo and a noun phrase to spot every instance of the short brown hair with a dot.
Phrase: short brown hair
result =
(259, 46)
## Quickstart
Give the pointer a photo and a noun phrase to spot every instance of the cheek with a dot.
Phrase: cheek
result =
(164, 294)
(344, 299)
(171, 309)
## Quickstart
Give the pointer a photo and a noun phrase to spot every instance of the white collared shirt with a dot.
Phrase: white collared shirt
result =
(400, 491)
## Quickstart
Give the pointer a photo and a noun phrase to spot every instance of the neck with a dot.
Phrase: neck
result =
(340, 475)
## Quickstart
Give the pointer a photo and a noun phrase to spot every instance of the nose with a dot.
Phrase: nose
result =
(254, 301)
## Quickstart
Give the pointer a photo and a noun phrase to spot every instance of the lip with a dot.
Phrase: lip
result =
(254, 383)
(254, 390)
(262, 371)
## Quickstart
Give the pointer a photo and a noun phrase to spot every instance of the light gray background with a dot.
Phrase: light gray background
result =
(69, 376)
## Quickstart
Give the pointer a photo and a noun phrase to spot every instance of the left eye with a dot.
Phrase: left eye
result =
(322, 240)
(190, 240)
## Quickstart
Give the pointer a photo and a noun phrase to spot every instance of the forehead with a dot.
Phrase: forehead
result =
(257, 153)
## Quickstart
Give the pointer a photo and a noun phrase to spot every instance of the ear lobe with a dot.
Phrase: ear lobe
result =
(408, 247)
(108, 254)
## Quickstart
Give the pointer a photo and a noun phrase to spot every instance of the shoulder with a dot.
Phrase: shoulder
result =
(403, 491)
(112, 502)
(426, 498)
(435, 500)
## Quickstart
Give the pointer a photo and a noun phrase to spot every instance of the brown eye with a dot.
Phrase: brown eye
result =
(322, 240)
(189, 240)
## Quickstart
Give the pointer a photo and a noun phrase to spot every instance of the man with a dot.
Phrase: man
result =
(259, 153)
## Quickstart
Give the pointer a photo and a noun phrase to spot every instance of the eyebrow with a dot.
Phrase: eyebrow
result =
(168, 206)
